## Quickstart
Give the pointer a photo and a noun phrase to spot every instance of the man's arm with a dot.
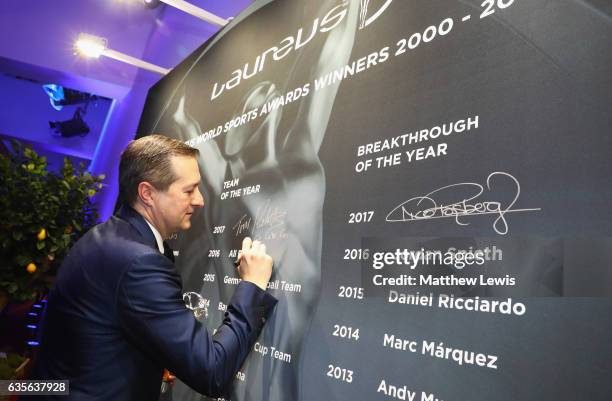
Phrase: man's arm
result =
(315, 110)
(154, 318)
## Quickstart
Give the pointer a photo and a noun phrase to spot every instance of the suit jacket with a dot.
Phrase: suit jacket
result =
(115, 318)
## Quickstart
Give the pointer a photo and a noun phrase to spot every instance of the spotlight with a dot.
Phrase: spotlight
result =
(60, 96)
(152, 3)
(90, 45)
(69, 128)
(75, 97)
(95, 46)
(56, 94)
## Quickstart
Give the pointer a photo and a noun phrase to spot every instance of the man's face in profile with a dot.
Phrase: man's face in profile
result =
(176, 205)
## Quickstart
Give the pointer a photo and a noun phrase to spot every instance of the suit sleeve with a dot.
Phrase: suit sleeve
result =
(152, 314)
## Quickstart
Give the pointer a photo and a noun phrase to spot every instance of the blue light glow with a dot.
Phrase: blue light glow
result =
(56, 94)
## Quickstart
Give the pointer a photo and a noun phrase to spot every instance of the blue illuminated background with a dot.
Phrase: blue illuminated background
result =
(36, 38)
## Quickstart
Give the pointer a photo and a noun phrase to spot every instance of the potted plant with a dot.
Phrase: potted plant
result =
(42, 214)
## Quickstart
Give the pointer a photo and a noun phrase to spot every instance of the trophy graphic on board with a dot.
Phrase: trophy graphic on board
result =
(197, 304)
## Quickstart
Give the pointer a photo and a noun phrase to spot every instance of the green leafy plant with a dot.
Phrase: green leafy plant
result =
(42, 214)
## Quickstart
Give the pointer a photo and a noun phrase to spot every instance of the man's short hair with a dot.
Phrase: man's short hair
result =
(149, 159)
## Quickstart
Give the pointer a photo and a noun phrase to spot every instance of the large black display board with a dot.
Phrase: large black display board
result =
(433, 181)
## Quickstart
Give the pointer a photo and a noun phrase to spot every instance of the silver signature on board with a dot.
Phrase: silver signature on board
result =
(269, 223)
(459, 201)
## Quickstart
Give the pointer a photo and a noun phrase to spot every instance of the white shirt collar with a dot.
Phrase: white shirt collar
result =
(158, 237)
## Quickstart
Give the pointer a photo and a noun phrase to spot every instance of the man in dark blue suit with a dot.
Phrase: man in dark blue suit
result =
(116, 318)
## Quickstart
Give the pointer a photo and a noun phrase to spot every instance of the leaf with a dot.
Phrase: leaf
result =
(22, 260)
(31, 197)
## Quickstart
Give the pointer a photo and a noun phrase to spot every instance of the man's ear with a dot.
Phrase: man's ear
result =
(146, 193)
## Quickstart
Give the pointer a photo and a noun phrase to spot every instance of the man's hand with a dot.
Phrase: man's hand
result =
(255, 264)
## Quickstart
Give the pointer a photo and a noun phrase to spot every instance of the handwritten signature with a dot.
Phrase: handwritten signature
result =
(269, 223)
(435, 205)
